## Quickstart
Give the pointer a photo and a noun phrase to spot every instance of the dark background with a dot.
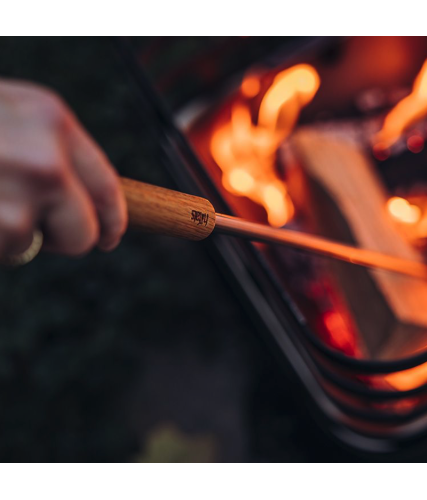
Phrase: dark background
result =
(144, 353)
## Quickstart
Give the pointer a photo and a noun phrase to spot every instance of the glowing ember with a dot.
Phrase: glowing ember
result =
(337, 327)
(245, 152)
(251, 86)
(415, 143)
(401, 210)
(406, 112)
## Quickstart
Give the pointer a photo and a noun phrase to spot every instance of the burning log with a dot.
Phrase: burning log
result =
(348, 203)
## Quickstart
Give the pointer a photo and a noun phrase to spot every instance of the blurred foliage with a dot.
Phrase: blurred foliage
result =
(168, 444)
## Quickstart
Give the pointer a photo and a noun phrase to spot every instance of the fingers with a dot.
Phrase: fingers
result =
(102, 184)
(40, 190)
(16, 227)
(16, 216)
(70, 226)
(68, 187)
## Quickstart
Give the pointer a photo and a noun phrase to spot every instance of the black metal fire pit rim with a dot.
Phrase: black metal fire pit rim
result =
(368, 392)
(367, 367)
(377, 416)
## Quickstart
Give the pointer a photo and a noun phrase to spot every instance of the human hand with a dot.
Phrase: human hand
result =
(53, 177)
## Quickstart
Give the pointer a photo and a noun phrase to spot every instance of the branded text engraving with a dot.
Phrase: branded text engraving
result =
(199, 217)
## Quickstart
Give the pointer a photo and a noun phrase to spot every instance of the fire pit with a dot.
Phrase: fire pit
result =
(325, 137)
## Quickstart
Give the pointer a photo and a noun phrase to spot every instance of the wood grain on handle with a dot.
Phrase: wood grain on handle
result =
(159, 210)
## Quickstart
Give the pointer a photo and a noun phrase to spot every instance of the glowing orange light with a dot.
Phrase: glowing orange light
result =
(406, 112)
(241, 181)
(401, 210)
(250, 86)
(408, 379)
(274, 199)
(245, 152)
(299, 83)
(338, 329)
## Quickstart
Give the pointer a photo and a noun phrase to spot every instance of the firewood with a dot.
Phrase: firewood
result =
(334, 182)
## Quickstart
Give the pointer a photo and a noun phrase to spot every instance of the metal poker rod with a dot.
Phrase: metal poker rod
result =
(172, 213)
(163, 211)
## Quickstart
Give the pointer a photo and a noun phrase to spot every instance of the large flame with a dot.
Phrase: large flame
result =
(245, 152)
(406, 112)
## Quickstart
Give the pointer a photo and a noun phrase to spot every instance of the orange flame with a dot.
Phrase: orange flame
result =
(251, 86)
(245, 152)
(411, 214)
(406, 112)
(401, 210)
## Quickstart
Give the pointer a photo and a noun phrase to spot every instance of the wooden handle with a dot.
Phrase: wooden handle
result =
(159, 210)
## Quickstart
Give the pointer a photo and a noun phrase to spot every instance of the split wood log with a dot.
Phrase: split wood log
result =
(335, 183)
